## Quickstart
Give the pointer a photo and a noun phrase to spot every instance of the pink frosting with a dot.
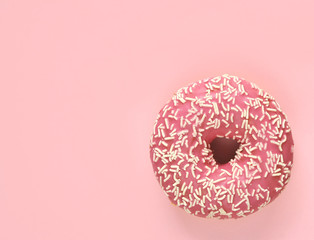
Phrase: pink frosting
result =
(230, 107)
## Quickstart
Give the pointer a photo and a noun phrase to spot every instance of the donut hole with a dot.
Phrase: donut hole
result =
(224, 149)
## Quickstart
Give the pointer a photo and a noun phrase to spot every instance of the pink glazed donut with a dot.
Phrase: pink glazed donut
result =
(219, 111)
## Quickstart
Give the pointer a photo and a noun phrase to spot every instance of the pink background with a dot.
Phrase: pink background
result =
(81, 83)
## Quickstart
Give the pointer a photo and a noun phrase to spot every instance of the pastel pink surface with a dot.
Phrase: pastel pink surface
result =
(81, 83)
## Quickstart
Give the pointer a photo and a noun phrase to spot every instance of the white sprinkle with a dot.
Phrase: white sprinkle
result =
(231, 198)
(238, 204)
(194, 194)
(269, 117)
(226, 135)
(225, 122)
(209, 171)
(190, 99)
(202, 119)
(182, 160)
(199, 169)
(219, 180)
(246, 171)
(283, 123)
(194, 131)
(169, 138)
(202, 180)
(232, 117)
(253, 192)
(223, 106)
(166, 179)
(231, 181)
(185, 166)
(235, 109)
(193, 173)
(225, 171)
(216, 108)
(167, 123)
(161, 169)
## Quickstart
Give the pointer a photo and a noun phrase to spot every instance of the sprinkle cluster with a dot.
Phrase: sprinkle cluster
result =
(230, 107)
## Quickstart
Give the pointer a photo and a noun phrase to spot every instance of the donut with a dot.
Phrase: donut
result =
(221, 148)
